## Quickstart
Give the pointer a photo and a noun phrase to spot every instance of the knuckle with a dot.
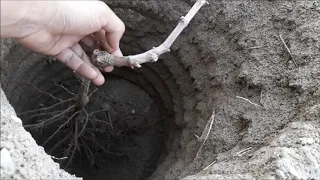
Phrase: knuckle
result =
(77, 49)
(67, 58)
(123, 27)
(81, 55)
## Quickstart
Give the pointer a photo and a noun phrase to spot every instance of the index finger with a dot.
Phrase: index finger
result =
(69, 58)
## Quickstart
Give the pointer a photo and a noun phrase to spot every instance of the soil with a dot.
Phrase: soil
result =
(231, 49)
(125, 132)
(125, 121)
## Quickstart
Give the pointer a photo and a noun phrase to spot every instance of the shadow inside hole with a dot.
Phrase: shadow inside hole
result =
(123, 139)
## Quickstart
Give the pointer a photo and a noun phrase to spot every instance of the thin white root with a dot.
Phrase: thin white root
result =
(285, 45)
(102, 58)
(207, 135)
(66, 89)
(255, 104)
(198, 138)
(244, 151)
(62, 158)
(209, 165)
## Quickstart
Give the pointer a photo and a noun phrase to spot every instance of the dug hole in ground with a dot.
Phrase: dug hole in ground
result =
(238, 97)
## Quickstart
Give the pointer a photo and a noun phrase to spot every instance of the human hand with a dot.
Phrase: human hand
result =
(55, 28)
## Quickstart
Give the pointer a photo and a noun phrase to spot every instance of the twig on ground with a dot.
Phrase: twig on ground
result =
(255, 104)
(62, 158)
(198, 138)
(209, 130)
(285, 45)
(102, 58)
(244, 151)
(207, 167)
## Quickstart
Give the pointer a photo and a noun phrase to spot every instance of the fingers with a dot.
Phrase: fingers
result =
(77, 49)
(74, 62)
(70, 59)
(113, 33)
(100, 36)
(109, 37)
(91, 42)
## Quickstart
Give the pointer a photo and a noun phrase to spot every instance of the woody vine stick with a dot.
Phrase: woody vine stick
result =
(103, 58)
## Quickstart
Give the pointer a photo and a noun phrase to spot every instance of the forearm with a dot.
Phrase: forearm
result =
(19, 18)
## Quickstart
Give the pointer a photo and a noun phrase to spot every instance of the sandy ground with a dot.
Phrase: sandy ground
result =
(230, 53)
(25, 159)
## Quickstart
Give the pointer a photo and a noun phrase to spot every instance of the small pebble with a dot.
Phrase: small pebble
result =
(6, 161)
